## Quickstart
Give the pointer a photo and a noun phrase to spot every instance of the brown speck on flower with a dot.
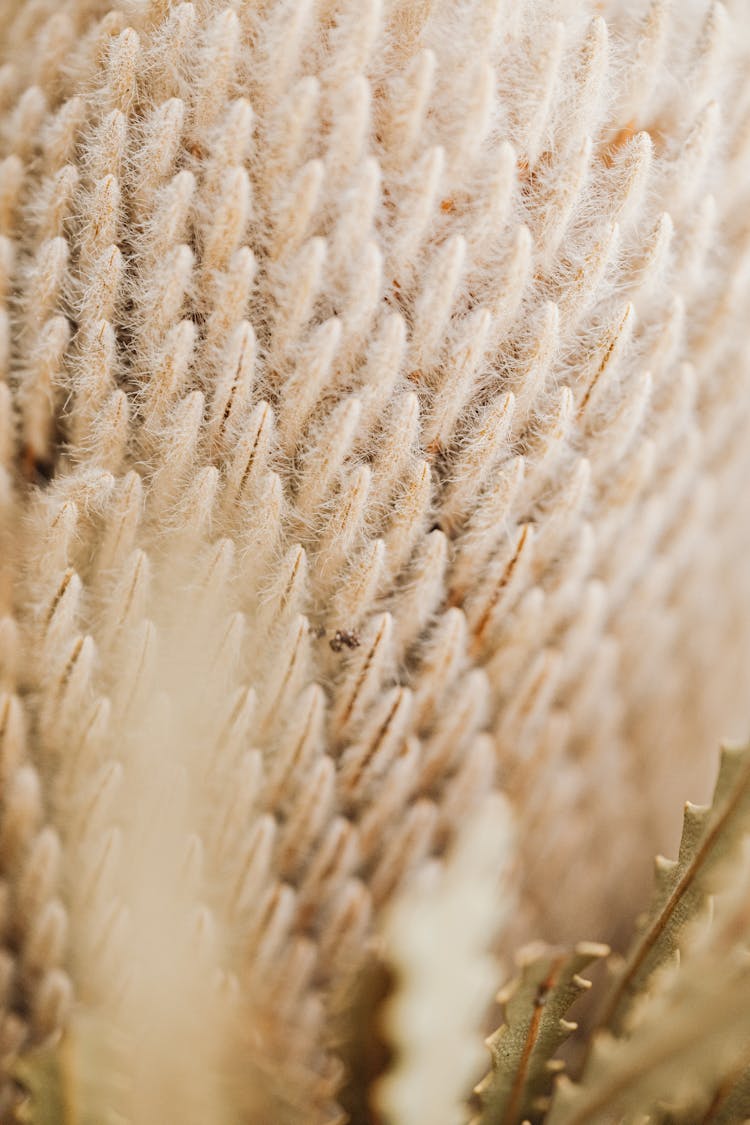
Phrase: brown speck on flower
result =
(344, 638)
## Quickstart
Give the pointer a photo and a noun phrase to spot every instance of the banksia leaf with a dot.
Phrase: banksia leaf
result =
(523, 1065)
(710, 835)
(690, 1037)
(39, 1076)
(725, 1099)
(72, 1081)
(684, 1054)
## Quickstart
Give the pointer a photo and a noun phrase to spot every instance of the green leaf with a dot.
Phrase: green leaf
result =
(523, 1068)
(677, 1047)
(710, 836)
(689, 1038)
(40, 1076)
(73, 1081)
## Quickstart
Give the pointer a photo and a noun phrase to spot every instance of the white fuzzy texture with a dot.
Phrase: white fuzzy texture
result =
(437, 938)
(388, 362)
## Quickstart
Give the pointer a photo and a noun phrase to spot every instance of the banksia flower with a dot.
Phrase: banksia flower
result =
(374, 410)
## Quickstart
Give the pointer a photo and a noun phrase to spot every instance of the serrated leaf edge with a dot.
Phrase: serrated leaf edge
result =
(528, 960)
(657, 925)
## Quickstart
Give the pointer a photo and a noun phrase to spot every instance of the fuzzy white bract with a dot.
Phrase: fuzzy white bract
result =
(374, 417)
